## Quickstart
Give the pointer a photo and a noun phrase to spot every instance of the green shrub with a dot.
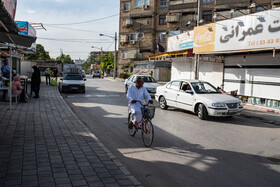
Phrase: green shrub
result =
(124, 75)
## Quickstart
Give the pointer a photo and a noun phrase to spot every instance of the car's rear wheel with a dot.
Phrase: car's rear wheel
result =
(202, 112)
(162, 103)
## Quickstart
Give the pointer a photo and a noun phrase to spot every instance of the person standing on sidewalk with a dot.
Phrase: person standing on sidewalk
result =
(48, 76)
(36, 81)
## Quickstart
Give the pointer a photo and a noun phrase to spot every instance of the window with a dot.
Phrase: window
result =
(126, 6)
(261, 8)
(133, 36)
(174, 33)
(175, 85)
(204, 88)
(163, 3)
(123, 54)
(141, 35)
(139, 3)
(207, 16)
(162, 20)
(186, 86)
(162, 37)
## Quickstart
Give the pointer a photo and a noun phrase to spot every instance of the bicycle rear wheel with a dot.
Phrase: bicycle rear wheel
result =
(132, 131)
(147, 133)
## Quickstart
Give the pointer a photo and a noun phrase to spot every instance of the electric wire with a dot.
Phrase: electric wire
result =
(76, 23)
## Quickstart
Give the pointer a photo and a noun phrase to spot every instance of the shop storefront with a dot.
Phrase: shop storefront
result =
(11, 42)
(249, 46)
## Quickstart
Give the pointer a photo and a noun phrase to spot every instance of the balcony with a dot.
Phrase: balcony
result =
(127, 22)
(124, 38)
(232, 2)
(130, 55)
(172, 18)
(182, 4)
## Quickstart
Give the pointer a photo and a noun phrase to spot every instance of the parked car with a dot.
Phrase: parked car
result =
(96, 73)
(72, 82)
(149, 83)
(198, 97)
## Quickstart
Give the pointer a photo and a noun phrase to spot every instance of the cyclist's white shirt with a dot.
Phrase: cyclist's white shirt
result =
(140, 94)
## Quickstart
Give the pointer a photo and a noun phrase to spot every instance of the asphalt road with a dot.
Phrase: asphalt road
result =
(186, 150)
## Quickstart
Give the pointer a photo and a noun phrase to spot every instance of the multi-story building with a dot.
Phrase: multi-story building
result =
(144, 23)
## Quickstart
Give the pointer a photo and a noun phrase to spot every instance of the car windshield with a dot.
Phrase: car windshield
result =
(73, 77)
(204, 88)
(148, 79)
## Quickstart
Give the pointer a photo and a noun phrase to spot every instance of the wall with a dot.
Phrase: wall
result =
(212, 72)
(182, 68)
(256, 75)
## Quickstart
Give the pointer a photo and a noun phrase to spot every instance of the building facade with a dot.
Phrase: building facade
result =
(142, 26)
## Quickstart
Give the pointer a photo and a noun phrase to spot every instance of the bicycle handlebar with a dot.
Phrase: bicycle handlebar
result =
(141, 103)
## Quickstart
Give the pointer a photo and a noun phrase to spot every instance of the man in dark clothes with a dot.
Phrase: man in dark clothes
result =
(36, 81)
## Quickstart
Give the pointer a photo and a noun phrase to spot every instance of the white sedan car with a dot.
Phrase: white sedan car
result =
(72, 82)
(149, 83)
(198, 97)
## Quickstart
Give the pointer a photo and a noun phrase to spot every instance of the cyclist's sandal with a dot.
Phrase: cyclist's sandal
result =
(130, 124)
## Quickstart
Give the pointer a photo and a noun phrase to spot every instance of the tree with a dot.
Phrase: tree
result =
(65, 59)
(41, 54)
(107, 61)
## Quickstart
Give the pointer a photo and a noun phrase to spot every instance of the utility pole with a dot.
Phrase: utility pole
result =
(101, 56)
(196, 57)
(115, 56)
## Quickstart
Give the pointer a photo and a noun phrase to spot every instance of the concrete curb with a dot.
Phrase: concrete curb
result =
(110, 155)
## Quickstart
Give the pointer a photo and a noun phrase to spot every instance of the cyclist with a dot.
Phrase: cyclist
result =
(137, 93)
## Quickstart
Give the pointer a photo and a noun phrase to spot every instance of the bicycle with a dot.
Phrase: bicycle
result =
(145, 125)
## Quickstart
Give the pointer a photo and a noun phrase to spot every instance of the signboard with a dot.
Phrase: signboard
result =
(204, 38)
(26, 29)
(255, 31)
(10, 6)
(180, 42)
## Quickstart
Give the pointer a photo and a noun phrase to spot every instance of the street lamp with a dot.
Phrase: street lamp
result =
(101, 53)
(115, 55)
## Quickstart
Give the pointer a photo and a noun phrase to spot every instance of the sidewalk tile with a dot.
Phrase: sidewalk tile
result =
(43, 143)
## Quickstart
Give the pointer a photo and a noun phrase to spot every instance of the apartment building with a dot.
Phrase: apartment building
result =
(142, 24)
(145, 23)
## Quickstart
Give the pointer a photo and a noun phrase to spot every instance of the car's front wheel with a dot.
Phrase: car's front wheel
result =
(162, 103)
(202, 112)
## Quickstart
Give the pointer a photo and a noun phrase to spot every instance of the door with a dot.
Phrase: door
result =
(170, 93)
(185, 97)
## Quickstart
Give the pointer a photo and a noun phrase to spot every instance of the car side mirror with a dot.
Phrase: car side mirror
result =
(85, 79)
(189, 92)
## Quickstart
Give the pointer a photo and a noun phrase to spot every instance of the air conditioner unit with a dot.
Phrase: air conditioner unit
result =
(132, 41)
(145, 7)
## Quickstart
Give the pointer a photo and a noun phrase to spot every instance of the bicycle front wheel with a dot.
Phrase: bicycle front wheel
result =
(147, 133)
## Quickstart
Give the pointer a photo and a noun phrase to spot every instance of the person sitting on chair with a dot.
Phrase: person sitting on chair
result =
(16, 86)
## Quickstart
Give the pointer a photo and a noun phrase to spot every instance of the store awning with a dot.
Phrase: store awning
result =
(7, 23)
(174, 53)
(17, 39)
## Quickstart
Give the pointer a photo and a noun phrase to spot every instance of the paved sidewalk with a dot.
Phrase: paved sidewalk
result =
(267, 117)
(43, 143)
